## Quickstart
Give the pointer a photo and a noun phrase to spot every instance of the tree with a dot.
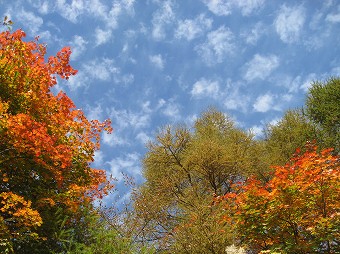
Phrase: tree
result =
(283, 138)
(323, 108)
(183, 170)
(297, 211)
(46, 147)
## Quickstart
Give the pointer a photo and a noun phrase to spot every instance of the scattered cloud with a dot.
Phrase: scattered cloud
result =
(225, 7)
(127, 119)
(248, 6)
(43, 7)
(219, 7)
(260, 67)
(235, 100)
(264, 103)
(252, 36)
(78, 46)
(257, 130)
(101, 69)
(114, 139)
(205, 88)
(306, 84)
(70, 11)
(81, 80)
(98, 158)
(334, 17)
(289, 23)
(94, 112)
(32, 22)
(157, 61)
(143, 138)
(218, 45)
(171, 109)
(102, 36)
(190, 29)
(127, 164)
(162, 17)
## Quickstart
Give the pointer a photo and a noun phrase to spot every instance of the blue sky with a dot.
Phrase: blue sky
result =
(148, 63)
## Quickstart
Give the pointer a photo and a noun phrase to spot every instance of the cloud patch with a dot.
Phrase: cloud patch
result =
(190, 29)
(205, 88)
(260, 67)
(78, 46)
(334, 17)
(252, 36)
(128, 164)
(218, 45)
(225, 7)
(264, 103)
(289, 23)
(157, 61)
(161, 18)
(102, 36)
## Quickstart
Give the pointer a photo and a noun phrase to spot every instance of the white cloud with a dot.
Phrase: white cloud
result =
(260, 67)
(43, 7)
(98, 158)
(123, 119)
(78, 46)
(219, 7)
(255, 33)
(125, 79)
(274, 121)
(102, 69)
(205, 88)
(94, 113)
(81, 80)
(162, 17)
(306, 84)
(235, 100)
(248, 6)
(190, 29)
(264, 103)
(157, 60)
(334, 17)
(257, 130)
(128, 164)
(290, 83)
(114, 139)
(143, 137)
(224, 7)
(98, 9)
(72, 10)
(29, 19)
(102, 36)
(289, 23)
(161, 103)
(218, 44)
(111, 15)
(171, 109)
(335, 71)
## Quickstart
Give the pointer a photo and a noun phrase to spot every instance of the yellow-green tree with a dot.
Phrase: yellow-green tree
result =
(323, 108)
(184, 169)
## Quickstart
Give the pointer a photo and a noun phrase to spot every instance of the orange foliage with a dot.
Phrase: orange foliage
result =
(44, 139)
(297, 211)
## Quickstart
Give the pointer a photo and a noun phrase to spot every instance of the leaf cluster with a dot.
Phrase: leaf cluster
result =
(46, 147)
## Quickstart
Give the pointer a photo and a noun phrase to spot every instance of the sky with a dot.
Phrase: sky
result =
(148, 63)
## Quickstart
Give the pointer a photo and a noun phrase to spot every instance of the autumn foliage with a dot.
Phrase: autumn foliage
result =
(46, 144)
(297, 211)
